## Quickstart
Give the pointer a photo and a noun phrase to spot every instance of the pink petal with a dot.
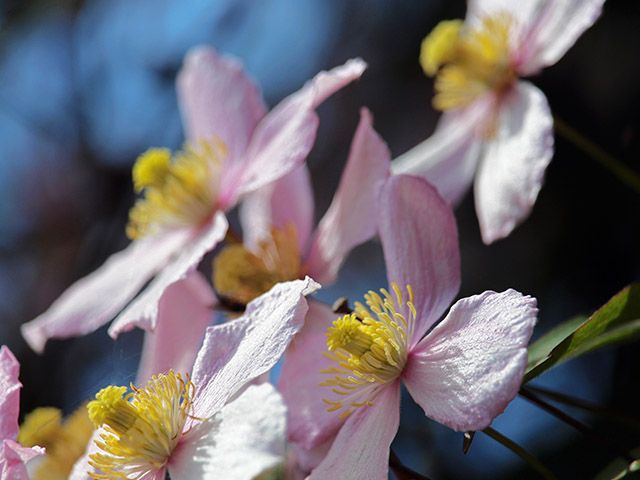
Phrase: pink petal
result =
(218, 99)
(420, 244)
(468, 368)
(285, 135)
(309, 423)
(448, 159)
(184, 313)
(143, 312)
(303, 460)
(349, 220)
(288, 200)
(361, 449)
(95, 299)
(13, 459)
(9, 394)
(82, 469)
(237, 352)
(512, 170)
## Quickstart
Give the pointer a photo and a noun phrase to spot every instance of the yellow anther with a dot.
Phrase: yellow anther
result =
(142, 428)
(151, 169)
(40, 427)
(468, 61)
(241, 275)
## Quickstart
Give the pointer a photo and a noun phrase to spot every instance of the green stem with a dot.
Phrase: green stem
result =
(521, 452)
(608, 161)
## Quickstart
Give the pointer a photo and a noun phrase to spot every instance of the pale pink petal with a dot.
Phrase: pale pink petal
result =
(349, 219)
(81, 468)
(514, 161)
(235, 353)
(420, 244)
(287, 201)
(243, 440)
(184, 313)
(284, 137)
(361, 449)
(13, 459)
(309, 423)
(303, 460)
(218, 100)
(468, 368)
(143, 311)
(9, 394)
(95, 299)
(448, 159)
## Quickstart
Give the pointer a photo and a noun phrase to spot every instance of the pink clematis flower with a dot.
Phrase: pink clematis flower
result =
(233, 147)
(341, 378)
(13, 456)
(496, 130)
(216, 423)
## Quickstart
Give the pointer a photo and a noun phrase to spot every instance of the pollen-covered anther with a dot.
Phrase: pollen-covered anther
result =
(141, 428)
(468, 61)
(369, 347)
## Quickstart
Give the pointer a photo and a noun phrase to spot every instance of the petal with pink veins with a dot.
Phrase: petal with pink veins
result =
(235, 353)
(184, 313)
(420, 243)
(143, 311)
(218, 100)
(95, 299)
(9, 394)
(287, 201)
(514, 162)
(13, 459)
(469, 367)
(309, 423)
(285, 136)
(361, 448)
(244, 439)
(348, 221)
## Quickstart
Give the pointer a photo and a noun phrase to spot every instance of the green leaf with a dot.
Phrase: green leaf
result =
(616, 322)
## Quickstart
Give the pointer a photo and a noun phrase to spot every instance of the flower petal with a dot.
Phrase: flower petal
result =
(348, 221)
(361, 449)
(143, 312)
(284, 137)
(512, 170)
(420, 244)
(243, 440)
(95, 299)
(218, 99)
(288, 200)
(9, 394)
(235, 353)
(309, 423)
(184, 313)
(448, 159)
(469, 367)
(13, 459)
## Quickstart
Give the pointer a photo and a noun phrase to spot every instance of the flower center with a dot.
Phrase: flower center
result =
(369, 347)
(142, 428)
(178, 191)
(65, 441)
(240, 275)
(468, 61)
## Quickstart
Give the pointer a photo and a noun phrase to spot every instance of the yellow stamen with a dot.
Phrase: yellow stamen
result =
(177, 192)
(369, 347)
(65, 442)
(142, 428)
(468, 62)
(241, 275)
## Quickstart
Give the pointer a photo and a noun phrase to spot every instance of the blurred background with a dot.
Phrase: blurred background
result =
(85, 86)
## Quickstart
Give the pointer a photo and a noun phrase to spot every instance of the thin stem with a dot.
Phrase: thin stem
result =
(581, 427)
(623, 418)
(608, 161)
(401, 471)
(533, 462)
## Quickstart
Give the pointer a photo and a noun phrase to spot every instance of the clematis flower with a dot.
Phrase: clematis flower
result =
(13, 455)
(496, 131)
(277, 221)
(233, 147)
(341, 378)
(214, 423)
